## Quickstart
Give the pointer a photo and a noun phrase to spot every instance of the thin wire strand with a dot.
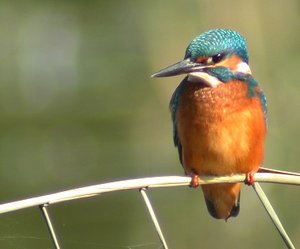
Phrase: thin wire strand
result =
(272, 214)
(51, 229)
(154, 219)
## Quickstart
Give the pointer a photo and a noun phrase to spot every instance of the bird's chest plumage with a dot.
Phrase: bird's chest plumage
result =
(221, 129)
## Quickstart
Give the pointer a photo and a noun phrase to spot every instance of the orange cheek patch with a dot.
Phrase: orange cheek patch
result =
(231, 62)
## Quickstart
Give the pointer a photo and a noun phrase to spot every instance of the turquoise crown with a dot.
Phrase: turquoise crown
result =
(217, 41)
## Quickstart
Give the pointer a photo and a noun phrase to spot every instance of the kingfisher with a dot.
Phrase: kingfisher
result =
(219, 116)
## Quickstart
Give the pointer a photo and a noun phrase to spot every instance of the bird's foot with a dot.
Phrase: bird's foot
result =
(249, 180)
(195, 182)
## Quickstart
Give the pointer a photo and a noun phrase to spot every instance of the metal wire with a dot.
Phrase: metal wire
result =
(150, 182)
(153, 217)
(272, 214)
(51, 230)
(155, 182)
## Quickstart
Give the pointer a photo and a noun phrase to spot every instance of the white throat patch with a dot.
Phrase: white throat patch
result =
(211, 81)
(243, 67)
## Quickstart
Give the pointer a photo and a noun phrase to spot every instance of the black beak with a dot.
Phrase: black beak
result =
(182, 67)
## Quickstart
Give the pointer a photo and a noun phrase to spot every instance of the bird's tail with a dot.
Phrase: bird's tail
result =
(222, 200)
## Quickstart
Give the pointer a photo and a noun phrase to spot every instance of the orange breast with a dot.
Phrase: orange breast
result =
(222, 131)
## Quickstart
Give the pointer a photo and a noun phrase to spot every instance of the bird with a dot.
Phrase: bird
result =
(219, 115)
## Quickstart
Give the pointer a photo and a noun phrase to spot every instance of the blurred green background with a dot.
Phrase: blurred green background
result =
(78, 107)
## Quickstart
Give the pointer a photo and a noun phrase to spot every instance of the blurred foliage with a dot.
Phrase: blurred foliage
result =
(78, 106)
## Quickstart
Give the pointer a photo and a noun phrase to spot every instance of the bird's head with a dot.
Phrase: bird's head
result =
(213, 58)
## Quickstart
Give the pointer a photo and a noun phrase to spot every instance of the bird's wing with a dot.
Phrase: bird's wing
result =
(255, 89)
(263, 100)
(173, 108)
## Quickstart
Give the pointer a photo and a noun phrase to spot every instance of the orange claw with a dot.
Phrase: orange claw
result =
(195, 182)
(249, 180)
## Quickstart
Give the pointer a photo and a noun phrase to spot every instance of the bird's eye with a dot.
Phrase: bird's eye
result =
(217, 58)
(210, 60)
